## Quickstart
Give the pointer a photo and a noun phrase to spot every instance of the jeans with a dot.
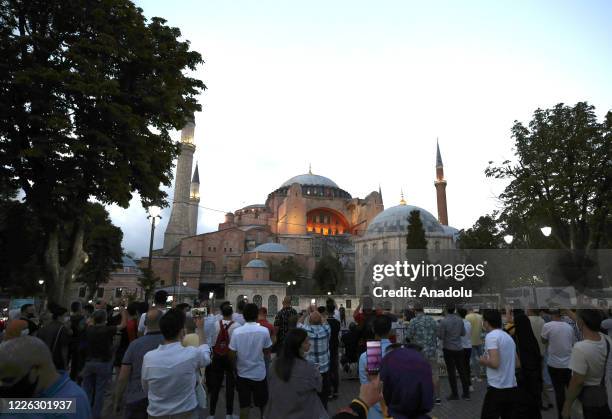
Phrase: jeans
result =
(560, 380)
(136, 410)
(454, 359)
(467, 356)
(501, 403)
(325, 389)
(219, 368)
(475, 358)
(96, 378)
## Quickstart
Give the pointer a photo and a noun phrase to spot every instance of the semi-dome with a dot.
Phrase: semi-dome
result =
(256, 263)
(395, 220)
(310, 179)
(271, 248)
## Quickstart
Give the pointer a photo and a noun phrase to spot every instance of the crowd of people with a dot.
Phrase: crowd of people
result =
(173, 362)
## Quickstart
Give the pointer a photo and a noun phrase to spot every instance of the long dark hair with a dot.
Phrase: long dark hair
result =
(290, 351)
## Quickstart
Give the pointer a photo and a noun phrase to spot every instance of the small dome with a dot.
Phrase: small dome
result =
(257, 263)
(395, 220)
(310, 179)
(271, 248)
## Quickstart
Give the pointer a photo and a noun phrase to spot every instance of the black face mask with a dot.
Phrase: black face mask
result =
(21, 388)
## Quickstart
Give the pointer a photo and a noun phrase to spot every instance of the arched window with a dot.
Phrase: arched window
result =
(208, 267)
(257, 300)
(272, 305)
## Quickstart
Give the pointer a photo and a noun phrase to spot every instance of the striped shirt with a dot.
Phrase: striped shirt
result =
(319, 345)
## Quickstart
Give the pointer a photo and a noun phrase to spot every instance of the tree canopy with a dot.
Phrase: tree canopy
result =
(89, 92)
(415, 239)
(328, 273)
(484, 234)
(560, 177)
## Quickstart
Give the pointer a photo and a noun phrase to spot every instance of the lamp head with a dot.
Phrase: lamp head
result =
(546, 231)
(154, 211)
(508, 238)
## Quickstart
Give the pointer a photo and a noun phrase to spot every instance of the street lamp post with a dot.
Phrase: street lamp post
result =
(154, 213)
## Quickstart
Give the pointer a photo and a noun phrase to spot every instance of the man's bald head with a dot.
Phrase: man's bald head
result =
(23, 355)
(315, 318)
(152, 319)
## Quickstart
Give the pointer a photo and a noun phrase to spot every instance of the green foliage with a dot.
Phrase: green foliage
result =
(102, 245)
(483, 235)
(287, 270)
(148, 281)
(89, 92)
(21, 255)
(415, 239)
(560, 177)
(328, 274)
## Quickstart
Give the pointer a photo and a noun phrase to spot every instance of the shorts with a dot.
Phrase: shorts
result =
(247, 387)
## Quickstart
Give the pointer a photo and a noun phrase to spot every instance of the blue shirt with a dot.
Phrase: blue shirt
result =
(63, 388)
(375, 411)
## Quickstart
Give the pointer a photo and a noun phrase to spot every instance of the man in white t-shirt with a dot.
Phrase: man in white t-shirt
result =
(501, 399)
(247, 347)
(559, 338)
(588, 362)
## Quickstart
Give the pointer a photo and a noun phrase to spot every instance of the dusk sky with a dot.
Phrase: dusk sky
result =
(361, 90)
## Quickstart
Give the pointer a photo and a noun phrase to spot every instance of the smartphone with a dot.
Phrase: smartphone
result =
(199, 312)
(374, 356)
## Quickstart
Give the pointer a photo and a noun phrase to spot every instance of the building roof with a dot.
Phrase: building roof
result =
(310, 179)
(257, 263)
(271, 248)
(395, 220)
(196, 175)
(128, 262)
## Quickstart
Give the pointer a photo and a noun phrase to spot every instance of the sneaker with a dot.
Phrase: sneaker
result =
(471, 388)
(466, 397)
(452, 397)
(438, 401)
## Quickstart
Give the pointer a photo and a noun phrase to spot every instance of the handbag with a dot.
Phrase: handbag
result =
(200, 393)
(596, 396)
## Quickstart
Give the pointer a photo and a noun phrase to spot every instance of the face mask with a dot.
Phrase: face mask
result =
(25, 332)
(22, 388)
(30, 316)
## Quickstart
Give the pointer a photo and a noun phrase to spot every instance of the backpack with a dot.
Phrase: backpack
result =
(221, 347)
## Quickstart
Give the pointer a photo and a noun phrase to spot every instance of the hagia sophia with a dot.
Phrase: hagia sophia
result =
(305, 218)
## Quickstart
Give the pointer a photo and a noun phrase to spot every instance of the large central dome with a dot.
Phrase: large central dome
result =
(310, 179)
(395, 220)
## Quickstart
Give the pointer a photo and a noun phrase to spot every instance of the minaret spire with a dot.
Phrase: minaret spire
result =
(309, 169)
(402, 201)
(440, 184)
(183, 212)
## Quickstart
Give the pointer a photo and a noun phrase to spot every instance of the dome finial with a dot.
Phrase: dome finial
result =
(402, 201)
(309, 169)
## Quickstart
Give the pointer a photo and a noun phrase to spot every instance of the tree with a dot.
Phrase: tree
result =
(561, 176)
(89, 92)
(102, 243)
(148, 281)
(483, 235)
(415, 239)
(287, 270)
(328, 273)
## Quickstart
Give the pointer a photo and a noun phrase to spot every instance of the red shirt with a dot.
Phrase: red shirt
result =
(268, 326)
(132, 329)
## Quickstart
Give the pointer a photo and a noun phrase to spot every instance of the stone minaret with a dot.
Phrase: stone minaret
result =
(194, 201)
(179, 224)
(440, 184)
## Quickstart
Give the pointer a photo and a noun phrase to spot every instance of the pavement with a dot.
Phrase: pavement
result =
(349, 388)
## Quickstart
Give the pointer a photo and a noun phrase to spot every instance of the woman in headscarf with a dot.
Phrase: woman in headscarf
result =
(407, 388)
(529, 375)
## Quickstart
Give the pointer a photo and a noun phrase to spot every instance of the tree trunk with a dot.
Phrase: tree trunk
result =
(62, 277)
